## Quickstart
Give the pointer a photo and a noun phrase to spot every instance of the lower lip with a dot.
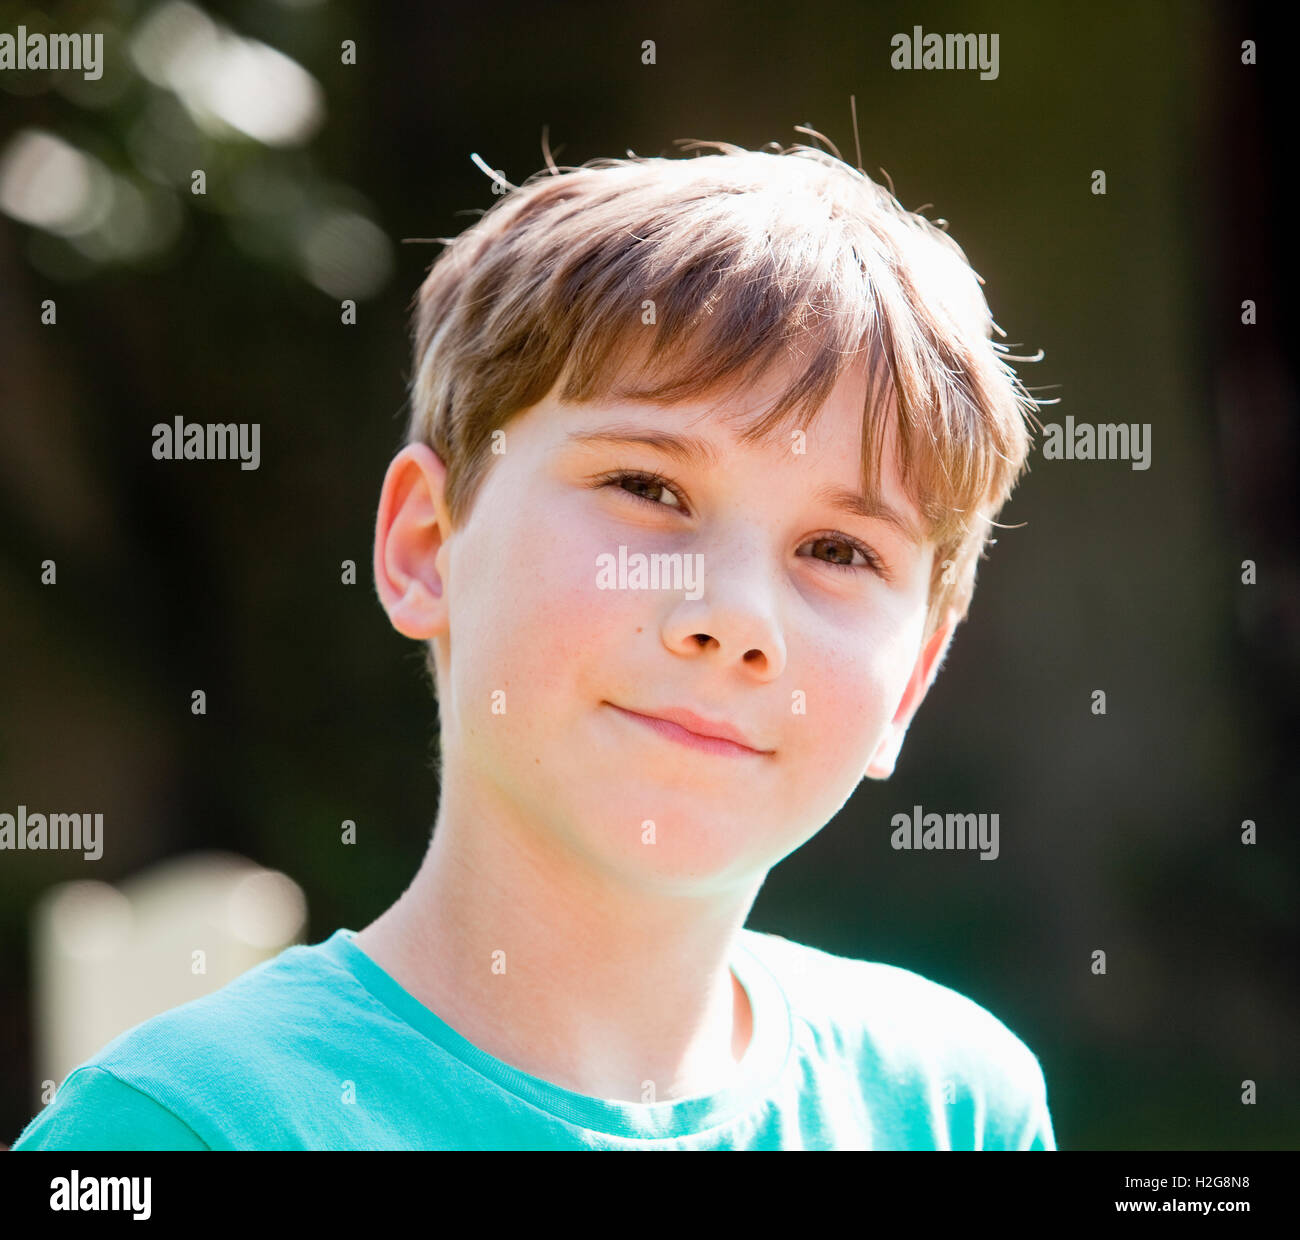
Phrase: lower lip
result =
(675, 732)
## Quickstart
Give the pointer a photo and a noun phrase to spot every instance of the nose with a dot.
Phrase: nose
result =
(734, 620)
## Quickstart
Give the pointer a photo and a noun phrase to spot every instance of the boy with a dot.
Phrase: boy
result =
(702, 456)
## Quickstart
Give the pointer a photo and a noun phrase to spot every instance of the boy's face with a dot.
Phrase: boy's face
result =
(794, 640)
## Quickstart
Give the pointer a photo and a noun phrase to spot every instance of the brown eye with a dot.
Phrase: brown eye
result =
(842, 550)
(842, 553)
(646, 482)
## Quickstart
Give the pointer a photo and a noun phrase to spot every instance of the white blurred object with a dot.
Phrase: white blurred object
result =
(225, 80)
(107, 958)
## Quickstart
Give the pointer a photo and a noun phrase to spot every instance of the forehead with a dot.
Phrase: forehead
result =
(707, 430)
(730, 406)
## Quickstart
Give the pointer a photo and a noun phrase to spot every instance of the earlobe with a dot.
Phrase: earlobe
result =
(409, 541)
(883, 760)
(931, 656)
(416, 613)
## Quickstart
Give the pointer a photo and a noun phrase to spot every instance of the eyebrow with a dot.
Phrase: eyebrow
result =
(870, 508)
(688, 449)
(693, 451)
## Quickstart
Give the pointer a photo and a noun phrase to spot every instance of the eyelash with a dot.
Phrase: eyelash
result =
(619, 476)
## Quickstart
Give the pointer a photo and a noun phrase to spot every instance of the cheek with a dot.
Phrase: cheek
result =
(525, 612)
(854, 689)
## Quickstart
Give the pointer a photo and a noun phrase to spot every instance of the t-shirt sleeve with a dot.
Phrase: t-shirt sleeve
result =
(94, 1110)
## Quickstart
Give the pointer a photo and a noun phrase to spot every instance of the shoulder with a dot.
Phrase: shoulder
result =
(280, 1000)
(190, 1073)
(922, 1037)
(95, 1110)
(905, 1013)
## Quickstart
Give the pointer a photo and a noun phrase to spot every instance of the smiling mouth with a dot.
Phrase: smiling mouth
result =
(692, 740)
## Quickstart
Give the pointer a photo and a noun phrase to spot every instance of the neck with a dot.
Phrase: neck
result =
(552, 964)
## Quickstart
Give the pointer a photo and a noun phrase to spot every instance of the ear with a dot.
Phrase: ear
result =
(410, 558)
(928, 660)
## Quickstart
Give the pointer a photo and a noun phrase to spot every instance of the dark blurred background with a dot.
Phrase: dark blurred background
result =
(1119, 832)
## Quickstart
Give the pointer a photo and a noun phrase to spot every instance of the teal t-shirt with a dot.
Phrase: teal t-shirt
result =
(320, 1048)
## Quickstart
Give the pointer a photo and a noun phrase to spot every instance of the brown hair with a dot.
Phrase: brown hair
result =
(711, 269)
